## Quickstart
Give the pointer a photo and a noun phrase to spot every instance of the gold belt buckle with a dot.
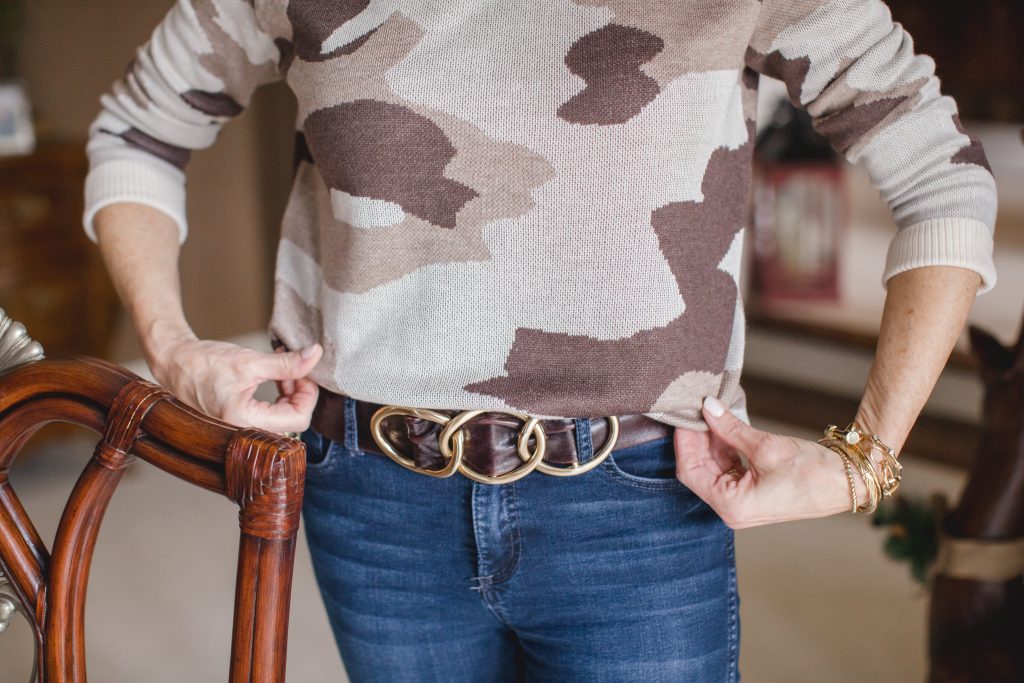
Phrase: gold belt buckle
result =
(452, 440)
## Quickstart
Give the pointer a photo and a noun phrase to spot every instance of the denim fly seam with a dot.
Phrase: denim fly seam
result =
(498, 541)
(496, 518)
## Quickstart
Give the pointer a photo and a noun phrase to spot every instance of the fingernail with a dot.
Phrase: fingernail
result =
(714, 406)
(309, 351)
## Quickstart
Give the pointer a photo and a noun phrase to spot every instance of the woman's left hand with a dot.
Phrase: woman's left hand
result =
(788, 478)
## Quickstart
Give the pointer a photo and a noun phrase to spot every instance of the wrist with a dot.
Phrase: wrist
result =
(871, 423)
(159, 337)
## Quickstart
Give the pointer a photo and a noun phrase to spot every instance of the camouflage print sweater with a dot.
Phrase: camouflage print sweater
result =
(538, 204)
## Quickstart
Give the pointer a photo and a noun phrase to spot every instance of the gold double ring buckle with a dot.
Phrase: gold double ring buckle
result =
(452, 441)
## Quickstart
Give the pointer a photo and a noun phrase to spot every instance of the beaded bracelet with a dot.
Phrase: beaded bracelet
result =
(867, 474)
(848, 467)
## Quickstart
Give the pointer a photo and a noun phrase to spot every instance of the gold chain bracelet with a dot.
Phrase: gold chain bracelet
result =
(855, 437)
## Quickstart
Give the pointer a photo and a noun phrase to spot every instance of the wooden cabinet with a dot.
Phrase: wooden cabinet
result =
(51, 276)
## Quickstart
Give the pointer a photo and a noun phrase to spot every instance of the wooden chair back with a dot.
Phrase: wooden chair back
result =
(263, 473)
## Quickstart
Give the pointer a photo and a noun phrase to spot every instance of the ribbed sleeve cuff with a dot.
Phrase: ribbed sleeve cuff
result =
(141, 182)
(943, 242)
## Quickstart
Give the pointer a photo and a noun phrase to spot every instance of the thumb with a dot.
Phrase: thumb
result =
(288, 365)
(729, 428)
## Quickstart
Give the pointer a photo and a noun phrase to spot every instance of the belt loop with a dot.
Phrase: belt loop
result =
(584, 440)
(351, 426)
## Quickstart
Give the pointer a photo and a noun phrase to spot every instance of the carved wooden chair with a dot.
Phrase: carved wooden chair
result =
(262, 472)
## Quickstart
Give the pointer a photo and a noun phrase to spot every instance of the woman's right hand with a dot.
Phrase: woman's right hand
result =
(140, 245)
(220, 379)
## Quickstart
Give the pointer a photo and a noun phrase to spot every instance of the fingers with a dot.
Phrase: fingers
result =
(285, 387)
(282, 416)
(293, 409)
(696, 467)
(730, 429)
(703, 465)
(287, 365)
(303, 396)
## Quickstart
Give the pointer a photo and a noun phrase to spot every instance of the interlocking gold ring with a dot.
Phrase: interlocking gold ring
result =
(452, 439)
(599, 457)
(531, 461)
(454, 457)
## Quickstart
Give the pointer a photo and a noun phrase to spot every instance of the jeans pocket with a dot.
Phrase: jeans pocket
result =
(650, 465)
(321, 452)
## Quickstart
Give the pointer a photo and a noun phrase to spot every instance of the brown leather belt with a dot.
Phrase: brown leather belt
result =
(491, 441)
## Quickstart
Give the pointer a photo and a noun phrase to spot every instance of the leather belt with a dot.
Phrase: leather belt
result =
(491, 444)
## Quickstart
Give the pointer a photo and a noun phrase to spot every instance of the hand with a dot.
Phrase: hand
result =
(220, 379)
(787, 478)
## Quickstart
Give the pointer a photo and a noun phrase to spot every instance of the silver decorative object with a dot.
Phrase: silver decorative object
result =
(9, 605)
(16, 347)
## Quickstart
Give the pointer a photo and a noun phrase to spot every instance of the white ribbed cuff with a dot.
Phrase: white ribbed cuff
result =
(141, 182)
(943, 242)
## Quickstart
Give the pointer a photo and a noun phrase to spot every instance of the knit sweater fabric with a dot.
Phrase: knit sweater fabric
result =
(532, 205)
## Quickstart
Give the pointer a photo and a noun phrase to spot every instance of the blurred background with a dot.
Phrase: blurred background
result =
(815, 595)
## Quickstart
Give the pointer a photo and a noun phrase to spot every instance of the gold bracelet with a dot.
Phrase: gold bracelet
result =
(848, 467)
(863, 466)
(854, 437)
(891, 469)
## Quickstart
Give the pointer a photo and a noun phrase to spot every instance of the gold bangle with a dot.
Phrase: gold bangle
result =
(848, 467)
(863, 466)
(855, 436)
(891, 469)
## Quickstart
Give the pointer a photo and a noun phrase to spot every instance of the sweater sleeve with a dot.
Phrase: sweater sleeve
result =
(855, 71)
(198, 70)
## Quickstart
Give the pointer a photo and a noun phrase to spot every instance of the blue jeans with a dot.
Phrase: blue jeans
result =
(620, 574)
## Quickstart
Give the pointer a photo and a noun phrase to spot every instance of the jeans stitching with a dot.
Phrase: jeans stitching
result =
(733, 672)
(584, 440)
(512, 563)
(612, 468)
(667, 485)
(329, 458)
(484, 584)
(351, 428)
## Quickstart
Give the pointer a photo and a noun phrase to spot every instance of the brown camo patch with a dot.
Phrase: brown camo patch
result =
(375, 149)
(609, 60)
(972, 152)
(546, 371)
(792, 72)
(172, 154)
(847, 126)
(314, 21)
(698, 35)
(212, 103)
(229, 63)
